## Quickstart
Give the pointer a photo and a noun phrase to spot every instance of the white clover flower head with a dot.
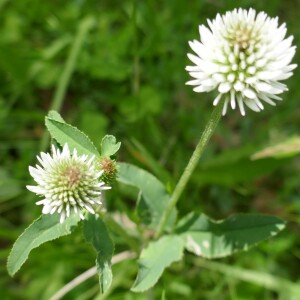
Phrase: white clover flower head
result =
(244, 56)
(67, 182)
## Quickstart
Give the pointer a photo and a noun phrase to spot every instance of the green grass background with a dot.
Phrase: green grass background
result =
(129, 80)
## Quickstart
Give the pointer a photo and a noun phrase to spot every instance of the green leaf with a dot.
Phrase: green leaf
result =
(54, 115)
(96, 233)
(45, 228)
(109, 146)
(155, 258)
(154, 197)
(235, 166)
(65, 133)
(288, 148)
(208, 238)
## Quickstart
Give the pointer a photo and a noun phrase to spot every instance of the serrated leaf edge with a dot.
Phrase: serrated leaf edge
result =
(93, 151)
(133, 289)
(8, 264)
(187, 237)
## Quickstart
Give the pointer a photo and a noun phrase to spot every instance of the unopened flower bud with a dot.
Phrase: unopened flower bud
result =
(109, 168)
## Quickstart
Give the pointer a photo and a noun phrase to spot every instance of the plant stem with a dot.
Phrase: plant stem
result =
(136, 56)
(64, 80)
(206, 135)
(88, 274)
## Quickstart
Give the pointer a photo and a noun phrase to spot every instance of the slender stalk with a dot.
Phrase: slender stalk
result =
(90, 273)
(268, 281)
(136, 56)
(64, 80)
(189, 169)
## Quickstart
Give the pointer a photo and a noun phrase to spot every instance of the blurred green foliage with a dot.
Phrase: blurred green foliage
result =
(128, 80)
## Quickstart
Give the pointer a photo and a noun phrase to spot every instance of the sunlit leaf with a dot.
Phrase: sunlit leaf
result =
(155, 258)
(287, 148)
(45, 228)
(109, 145)
(54, 115)
(209, 238)
(65, 133)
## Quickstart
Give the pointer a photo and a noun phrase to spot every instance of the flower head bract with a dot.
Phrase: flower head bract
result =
(244, 56)
(67, 182)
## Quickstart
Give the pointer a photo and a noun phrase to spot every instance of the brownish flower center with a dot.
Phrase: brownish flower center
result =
(107, 165)
(73, 175)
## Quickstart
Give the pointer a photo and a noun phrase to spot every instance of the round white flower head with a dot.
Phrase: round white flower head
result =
(244, 56)
(67, 182)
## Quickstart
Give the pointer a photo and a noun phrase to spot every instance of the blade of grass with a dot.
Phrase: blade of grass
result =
(266, 280)
(64, 80)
